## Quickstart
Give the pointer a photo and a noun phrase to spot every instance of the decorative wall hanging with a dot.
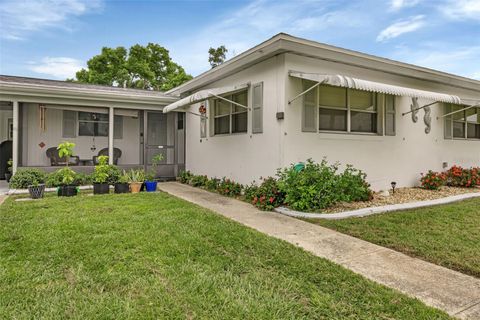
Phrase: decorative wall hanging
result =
(427, 119)
(202, 109)
(42, 111)
(414, 107)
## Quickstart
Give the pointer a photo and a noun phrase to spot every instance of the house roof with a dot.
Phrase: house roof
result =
(285, 43)
(34, 87)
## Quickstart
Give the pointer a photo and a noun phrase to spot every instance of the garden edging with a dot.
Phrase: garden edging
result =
(25, 191)
(375, 210)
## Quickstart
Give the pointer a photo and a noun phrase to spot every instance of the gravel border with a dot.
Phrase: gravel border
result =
(375, 210)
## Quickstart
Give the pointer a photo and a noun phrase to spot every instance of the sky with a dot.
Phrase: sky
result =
(54, 38)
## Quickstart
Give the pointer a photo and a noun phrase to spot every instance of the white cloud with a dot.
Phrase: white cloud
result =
(401, 27)
(259, 20)
(19, 18)
(400, 4)
(462, 9)
(461, 60)
(57, 67)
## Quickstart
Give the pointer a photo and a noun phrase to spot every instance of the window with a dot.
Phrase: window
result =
(347, 110)
(92, 124)
(463, 124)
(228, 117)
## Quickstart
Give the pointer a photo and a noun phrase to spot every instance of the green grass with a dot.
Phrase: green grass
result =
(147, 256)
(447, 235)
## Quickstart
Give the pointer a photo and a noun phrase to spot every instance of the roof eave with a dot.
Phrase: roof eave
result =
(13, 89)
(283, 43)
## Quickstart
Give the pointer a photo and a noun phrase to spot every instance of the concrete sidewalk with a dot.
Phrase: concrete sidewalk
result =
(448, 290)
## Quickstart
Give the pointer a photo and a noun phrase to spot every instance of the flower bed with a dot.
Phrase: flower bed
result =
(304, 186)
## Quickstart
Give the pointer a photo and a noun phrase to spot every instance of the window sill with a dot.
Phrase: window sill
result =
(229, 134)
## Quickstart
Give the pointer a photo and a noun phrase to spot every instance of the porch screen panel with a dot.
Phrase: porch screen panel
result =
(118, 127)
(257, 108)
(161, 137)
(69, 124)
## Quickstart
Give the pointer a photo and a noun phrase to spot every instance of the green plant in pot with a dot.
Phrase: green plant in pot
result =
(101, 175)
(67, 188)
(150, 182)
(8, 174)
(122, 183)
(136, 179)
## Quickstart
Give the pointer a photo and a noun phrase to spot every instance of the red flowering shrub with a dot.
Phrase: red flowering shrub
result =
(457, 176)
(229, 187)
(266, 196)
(432, 180)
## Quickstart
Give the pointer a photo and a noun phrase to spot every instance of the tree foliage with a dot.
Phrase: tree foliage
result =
(143, 67)
(217, 56)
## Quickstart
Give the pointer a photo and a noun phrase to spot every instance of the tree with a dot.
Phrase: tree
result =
(143, 67)
(217, 56)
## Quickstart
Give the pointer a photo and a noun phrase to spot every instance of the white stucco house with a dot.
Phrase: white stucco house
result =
(281, 102)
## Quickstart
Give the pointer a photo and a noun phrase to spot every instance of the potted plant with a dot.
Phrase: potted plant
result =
(121, 185)
(100, 176)
(136, 178)
(8, 174)
(67, 188)
(36, 189)
(150, 182)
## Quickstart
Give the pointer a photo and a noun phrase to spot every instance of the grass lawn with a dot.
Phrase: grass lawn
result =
(447, 235)
(144, 256)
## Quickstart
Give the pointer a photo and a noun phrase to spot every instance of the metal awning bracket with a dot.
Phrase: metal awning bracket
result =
(197, 114)
(419, 108)
(470, 107)
(230, 101)
(306, 91)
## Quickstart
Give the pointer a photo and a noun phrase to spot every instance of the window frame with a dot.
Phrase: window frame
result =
(348, 109)
(450, 121)
(95, 126)
(231, 113)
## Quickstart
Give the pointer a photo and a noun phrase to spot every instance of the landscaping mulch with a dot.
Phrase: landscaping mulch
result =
(401, 195)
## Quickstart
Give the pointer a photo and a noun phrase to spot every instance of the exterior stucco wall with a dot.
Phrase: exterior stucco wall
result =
(399, 158)
(34, 155)
(242, 157)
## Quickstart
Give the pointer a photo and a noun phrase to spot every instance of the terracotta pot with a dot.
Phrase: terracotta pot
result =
(135, 186)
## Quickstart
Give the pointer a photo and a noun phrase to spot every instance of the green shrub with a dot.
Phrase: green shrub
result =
(352, 185)
(229, 187)
(83, 179)
(198, 181)
(267, 196)
(185, 176)
(26, 177)
(212, 184)
(312, 188)
(320, 185)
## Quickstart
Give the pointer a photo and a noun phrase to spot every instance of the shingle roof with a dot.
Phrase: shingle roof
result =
(76, 85)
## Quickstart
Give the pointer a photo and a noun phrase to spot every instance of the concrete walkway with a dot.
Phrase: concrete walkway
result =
(451, 291)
